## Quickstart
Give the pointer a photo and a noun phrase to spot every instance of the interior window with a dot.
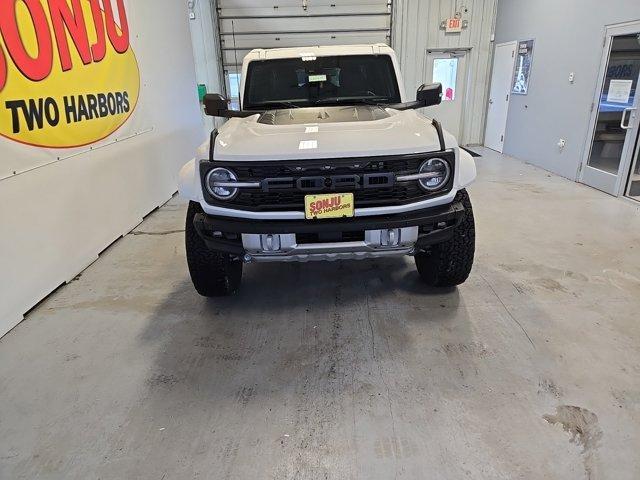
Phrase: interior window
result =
(233, 82)
(445, 71)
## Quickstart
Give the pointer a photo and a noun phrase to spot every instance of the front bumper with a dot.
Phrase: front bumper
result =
(352, 238)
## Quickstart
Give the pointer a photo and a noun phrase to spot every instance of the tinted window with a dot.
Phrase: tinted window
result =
(339, 80)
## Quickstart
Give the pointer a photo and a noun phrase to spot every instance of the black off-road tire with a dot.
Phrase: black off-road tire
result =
(449, 263)
(214, 274)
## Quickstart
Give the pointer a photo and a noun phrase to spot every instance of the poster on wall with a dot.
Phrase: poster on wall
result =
(68, 75)
(523, 67)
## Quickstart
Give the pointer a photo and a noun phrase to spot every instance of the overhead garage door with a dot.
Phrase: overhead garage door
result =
(247, 24)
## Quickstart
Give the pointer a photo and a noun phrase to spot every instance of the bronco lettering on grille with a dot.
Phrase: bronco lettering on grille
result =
(334, 182)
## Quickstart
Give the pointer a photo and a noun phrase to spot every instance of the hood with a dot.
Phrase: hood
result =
(326, 132)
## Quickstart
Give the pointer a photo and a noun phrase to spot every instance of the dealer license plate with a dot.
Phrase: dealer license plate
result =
(332, 205)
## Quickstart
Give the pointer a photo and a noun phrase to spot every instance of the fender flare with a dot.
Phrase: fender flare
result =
(467, 172)
(189, 185)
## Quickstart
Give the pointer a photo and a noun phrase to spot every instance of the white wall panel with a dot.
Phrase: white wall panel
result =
(204, 36)
(281, 4)
(246, 43)
(416, 29)
(267, 25)
(314, 9)
(56, 219)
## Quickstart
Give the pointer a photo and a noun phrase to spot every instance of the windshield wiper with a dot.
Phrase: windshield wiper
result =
(279, 103)
(367, 101)
(360, 100)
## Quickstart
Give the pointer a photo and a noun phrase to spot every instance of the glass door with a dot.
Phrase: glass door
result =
(616, 124)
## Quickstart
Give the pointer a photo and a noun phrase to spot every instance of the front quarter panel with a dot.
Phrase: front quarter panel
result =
(189, 185)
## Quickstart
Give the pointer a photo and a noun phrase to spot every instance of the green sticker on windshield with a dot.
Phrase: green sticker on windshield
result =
(317, 78)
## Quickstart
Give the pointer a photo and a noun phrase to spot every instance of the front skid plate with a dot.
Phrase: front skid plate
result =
(330, 257)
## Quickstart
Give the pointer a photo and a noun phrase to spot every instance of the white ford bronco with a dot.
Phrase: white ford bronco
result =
(327, 159)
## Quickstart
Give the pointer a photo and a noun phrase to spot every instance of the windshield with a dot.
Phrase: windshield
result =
(311, 81)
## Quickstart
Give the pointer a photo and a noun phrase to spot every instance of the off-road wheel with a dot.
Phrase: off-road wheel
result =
(213, 274)
(449, 263)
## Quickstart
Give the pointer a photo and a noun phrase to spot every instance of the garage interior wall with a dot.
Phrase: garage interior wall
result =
(414, 25)
(204, 35)
(416, 28)
(57, 218)
(568, 38)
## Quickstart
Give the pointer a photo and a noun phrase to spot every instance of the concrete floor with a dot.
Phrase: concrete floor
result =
(347, 370)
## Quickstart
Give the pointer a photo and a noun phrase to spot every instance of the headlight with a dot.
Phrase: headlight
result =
(439, 173)
(215, 181)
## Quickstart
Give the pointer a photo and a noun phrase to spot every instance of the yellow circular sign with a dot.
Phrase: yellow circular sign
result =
(68, 75)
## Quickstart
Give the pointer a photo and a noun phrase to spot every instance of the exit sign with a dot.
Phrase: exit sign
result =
(453, 25)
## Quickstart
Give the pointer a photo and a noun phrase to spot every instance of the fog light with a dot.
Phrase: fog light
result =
(270, 243)
(439, 173)
(390, 237)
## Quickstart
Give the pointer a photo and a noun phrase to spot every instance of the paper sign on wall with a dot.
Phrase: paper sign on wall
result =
(619, 91)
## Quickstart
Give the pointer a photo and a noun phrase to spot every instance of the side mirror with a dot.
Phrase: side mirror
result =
(429, 94)
(215, 105)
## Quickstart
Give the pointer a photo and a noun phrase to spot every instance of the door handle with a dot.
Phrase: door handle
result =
(491, 101)
(624, 116)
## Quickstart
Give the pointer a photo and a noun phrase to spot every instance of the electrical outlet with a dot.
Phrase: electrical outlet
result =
(562, 143)
(572, 77)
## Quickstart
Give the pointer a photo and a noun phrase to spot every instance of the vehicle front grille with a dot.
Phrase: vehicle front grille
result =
(292, 198)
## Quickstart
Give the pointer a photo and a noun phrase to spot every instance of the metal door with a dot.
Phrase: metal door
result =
(448, 67)
(247, 24)
(500, 95)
